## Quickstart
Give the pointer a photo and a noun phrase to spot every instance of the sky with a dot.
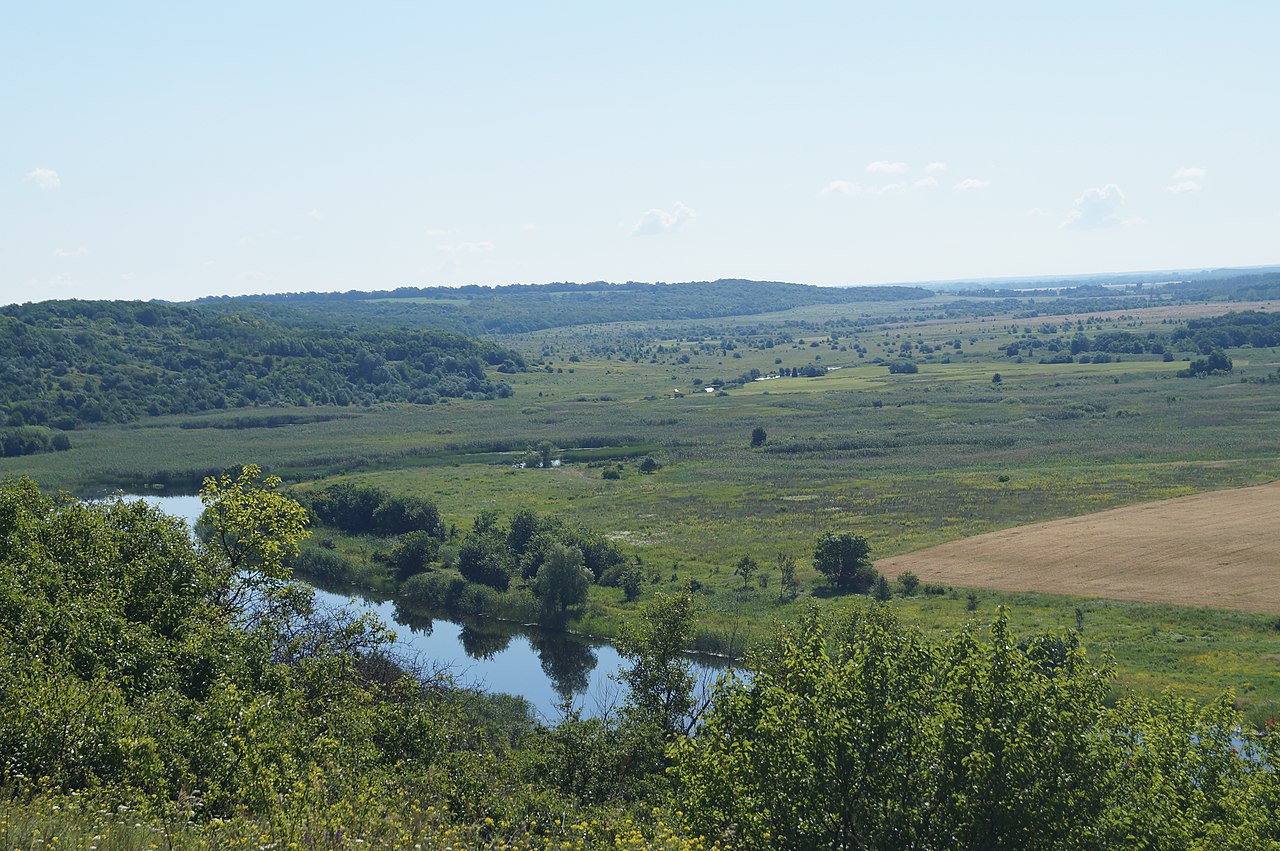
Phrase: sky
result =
(175, 150)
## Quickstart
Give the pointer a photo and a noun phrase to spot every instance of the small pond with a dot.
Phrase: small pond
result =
(537, 664)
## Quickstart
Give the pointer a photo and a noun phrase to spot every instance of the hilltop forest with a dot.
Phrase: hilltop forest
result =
(73, 363)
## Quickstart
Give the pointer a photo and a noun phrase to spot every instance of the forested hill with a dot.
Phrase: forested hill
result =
(530, 307)
(67, 363)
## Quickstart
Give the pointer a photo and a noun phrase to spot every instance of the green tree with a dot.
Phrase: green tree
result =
(758, 436)
(562, 581)
(659, 676)
(745, 568)
(880, 739)
(882, 592)
(413, 553)
(254, 533)
(789, 585)
(484, 557)
(845, 560)
(542, 455)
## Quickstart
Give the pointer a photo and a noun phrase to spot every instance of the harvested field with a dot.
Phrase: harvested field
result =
(1218, 549)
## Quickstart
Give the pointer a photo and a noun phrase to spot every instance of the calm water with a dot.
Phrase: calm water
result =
(538, 665)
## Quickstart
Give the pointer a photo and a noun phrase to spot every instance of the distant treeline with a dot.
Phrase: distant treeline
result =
(1218, 285)
(1231, 330)
(529, 307)
(1258, 286)
(68, 363)
(1200, 336)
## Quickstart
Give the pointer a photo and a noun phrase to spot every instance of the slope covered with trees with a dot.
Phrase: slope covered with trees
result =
(527, 307)
(69, 363)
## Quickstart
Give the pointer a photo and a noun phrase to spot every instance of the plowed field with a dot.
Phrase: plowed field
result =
(1219, 549)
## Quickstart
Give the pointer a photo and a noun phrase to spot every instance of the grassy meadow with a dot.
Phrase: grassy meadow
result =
(908, 460)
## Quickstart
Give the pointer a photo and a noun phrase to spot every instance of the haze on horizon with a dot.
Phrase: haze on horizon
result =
(160, 151)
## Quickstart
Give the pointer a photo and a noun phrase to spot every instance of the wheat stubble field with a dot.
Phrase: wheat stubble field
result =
(1217, 549)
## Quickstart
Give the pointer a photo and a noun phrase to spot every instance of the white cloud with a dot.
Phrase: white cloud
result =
(1098, 207)
(1034, 212)
(847, 187)
(70, 252)
(654, 222)
(886, 167)
(925, 182)
(934, 168)
(1189, 173)
(529, 227)
(1183, 186)
(971, 183)
(436, 233)
(468, 248)
(314, 215)
(45, 178)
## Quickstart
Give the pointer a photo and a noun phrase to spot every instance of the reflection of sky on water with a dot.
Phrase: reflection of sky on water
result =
(536, 664)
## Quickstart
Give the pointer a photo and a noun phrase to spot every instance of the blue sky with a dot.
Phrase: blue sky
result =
(176, 150)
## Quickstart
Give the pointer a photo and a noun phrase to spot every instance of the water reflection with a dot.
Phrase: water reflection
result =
(568, 664)
(482, 640)
(545, 667)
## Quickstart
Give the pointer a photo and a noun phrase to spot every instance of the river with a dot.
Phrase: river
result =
(542, 666)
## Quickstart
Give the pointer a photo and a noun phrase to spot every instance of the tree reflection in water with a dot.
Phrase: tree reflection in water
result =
(567, 662)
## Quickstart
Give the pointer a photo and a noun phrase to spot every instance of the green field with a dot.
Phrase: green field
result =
(908, 460)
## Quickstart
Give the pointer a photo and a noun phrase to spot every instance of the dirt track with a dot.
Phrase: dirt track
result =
(1219, 549)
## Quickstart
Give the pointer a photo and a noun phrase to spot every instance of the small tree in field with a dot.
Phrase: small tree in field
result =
(746, 566)
(789, 585)
(845, 560)
(758, 436)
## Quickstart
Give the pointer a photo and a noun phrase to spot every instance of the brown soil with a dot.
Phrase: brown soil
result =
(1216, 549)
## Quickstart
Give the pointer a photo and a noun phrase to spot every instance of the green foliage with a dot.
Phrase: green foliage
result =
(563, 580)
(521, 308)
(758, 436)
(542, 456)
(485, 558)
(789, 584)
(254, 534)
(136, 660)
(845, 560)
(658, 675)
(745, 568)
(877, 738)
(413, 553)
(29, 440)
(128, 688)
(881, 591)
(1217, 363)
(360, 509)
(79, 362)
